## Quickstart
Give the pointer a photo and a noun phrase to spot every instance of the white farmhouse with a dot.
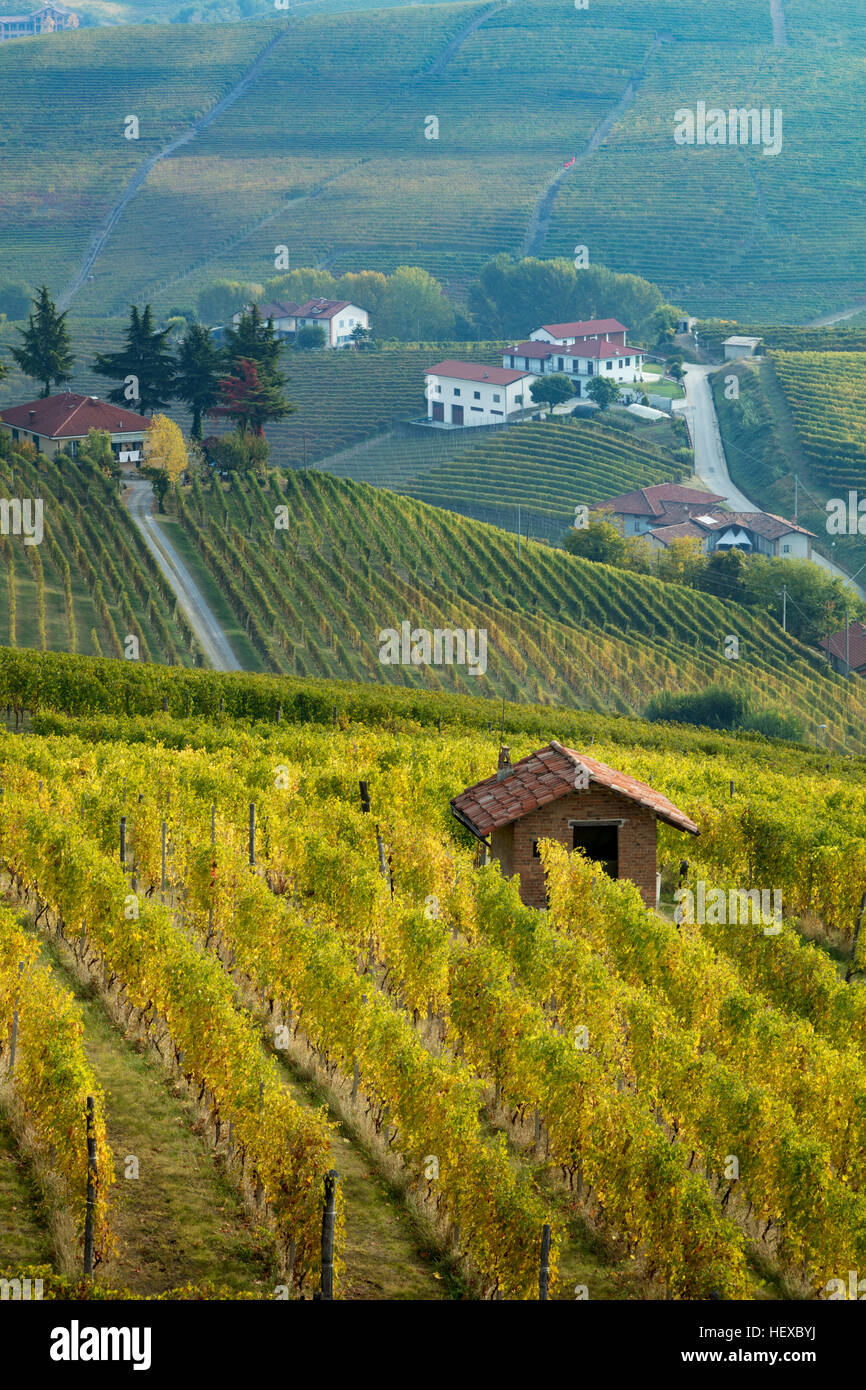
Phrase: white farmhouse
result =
(336, 316)
(581, 360)
(468, 393)
(583, 331)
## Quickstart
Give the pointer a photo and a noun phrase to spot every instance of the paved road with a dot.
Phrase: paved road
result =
(711, 465)
(710, 462)
(138, 497)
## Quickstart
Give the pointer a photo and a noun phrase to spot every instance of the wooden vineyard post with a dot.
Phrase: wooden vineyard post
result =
(329, 1221)
(165, 704)
(852, 962)
(252, 833)
(162, 851)
(13, 1042)
(544, 1269)
(91, 1191)
(123, 840)
(213, 842)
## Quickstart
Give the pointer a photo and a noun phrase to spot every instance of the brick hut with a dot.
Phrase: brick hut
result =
(558, 794)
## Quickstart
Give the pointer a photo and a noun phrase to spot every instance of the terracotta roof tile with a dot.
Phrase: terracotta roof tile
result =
(546, 775)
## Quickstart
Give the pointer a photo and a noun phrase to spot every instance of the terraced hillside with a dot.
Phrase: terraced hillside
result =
(350, 561)
(343, 174)
(799, 417)
(546, 469)
(826, 394)
(91, 583)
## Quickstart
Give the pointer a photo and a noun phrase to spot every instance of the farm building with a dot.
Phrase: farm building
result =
(741, 347)
(559, 794)
(45, 20)
(846, 650)
(755, 533)
(583, 331)
(468, 393)
(581, 361)
(59, 424)
(663, 505)
(336, 316)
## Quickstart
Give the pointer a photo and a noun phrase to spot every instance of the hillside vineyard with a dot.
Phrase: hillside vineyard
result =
(432, 646)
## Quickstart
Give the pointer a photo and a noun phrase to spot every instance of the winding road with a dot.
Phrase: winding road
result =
(138, 498)
(711, 466)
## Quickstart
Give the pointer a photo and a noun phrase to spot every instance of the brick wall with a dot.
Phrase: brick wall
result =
(637, 840)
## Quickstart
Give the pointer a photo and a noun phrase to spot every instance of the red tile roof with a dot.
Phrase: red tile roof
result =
(601, 347)
(584, 328)
(475, 371)
(856, 645)
(534, 349)
(321, 308)
(682, 530)
(69, 416)
(765, 524)
(545, 776)
(277, 310)
(648, 501)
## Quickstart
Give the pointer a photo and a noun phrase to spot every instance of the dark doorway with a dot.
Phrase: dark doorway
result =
(599, 842)
(457, 415)
(438, 410)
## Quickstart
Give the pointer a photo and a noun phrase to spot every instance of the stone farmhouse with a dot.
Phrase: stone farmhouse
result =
(336, 316)
(59, 424)
(559, 794)
(45, 20)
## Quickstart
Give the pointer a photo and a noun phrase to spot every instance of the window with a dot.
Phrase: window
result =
(15, 435)
(497, 398)
(535, 853)
(628, 361)
(608, 366)
(519, 399)
(496, 412)
(456, 390)
(477, 408)
(439, 390)
(601, 843)
(786, 549)
(476, 395)
(561, 364)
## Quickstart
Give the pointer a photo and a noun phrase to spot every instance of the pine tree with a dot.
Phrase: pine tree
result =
(45, 353)
(254, 340)
(199, 368)
(144, 366)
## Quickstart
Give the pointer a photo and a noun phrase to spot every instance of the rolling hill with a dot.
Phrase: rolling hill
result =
(341, 172)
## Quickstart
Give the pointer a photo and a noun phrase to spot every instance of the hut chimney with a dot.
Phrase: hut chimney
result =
(505, 768)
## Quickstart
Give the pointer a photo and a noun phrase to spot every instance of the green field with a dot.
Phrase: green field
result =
(341, 173)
